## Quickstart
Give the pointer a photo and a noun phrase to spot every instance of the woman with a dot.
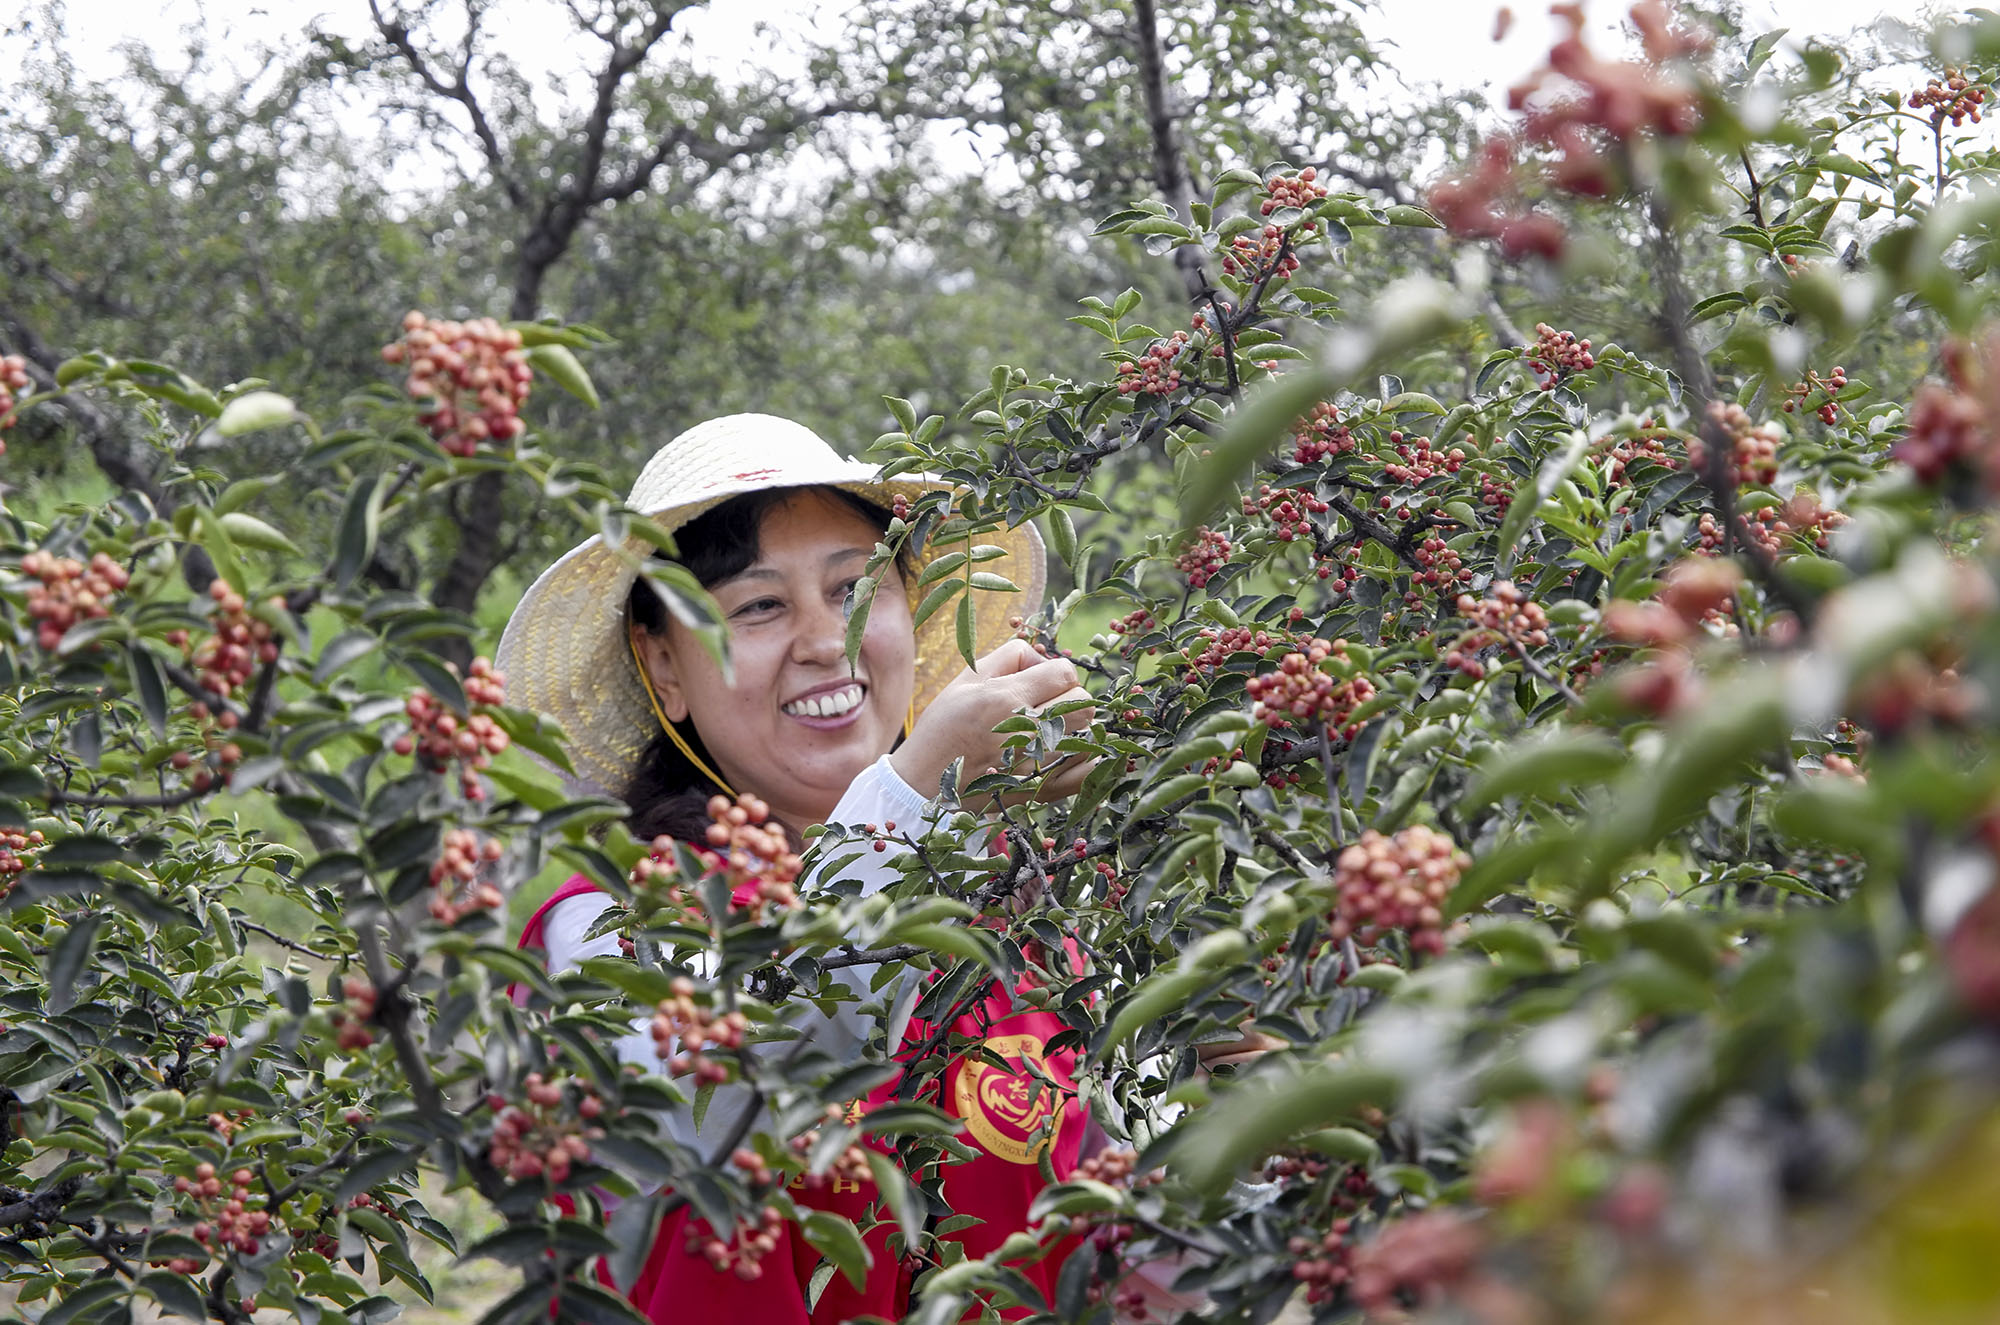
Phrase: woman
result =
(778, 528)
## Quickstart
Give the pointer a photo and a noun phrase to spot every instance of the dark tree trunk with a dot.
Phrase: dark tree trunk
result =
(1170, 173)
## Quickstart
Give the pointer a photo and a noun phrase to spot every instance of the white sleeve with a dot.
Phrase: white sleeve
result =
(880, 797)
(565, 925)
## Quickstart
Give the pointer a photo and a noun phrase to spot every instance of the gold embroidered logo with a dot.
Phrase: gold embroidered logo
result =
(1004, 1109)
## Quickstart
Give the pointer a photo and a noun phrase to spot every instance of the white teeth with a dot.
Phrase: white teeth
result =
(828, 705)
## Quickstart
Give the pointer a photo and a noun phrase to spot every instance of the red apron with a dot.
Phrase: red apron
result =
(1001, 1109)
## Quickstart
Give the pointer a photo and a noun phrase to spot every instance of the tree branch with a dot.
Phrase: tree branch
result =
(397, 34)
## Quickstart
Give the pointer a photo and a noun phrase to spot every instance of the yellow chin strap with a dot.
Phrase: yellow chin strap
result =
(680, 742)
(673, 732)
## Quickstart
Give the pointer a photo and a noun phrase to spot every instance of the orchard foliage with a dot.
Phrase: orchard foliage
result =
(1583, 763)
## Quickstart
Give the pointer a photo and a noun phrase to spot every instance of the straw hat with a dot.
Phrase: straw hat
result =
(565, 651)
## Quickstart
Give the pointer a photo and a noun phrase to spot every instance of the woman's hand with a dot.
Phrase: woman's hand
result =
(959, 723)
(1235, 1053)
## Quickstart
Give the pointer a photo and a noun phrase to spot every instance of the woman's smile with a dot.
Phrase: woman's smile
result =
(829, 706)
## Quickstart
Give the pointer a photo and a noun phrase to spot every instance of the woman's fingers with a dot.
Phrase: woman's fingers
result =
(1249, 1048)
(1066, 778)
(1014, 656)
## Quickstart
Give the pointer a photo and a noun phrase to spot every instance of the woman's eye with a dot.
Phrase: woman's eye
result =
(757, 606)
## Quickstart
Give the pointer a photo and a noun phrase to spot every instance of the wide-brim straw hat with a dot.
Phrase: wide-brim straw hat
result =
(565, 651)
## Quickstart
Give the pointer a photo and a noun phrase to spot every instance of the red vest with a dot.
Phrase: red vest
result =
(1001, 1110)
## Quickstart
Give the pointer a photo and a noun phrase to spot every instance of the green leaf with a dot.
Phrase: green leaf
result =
(1404, 214)
(839, 1241)
(359, 522)
(344, 648)
(216, 541)
(255, 411)
(1216, 1144)
(896, 1194)
(150, 686)
(967, 642)
(1839, 163)
(175, 1294)
(565, 370)
(1530, 495)
(1166, 793)
(249, 531)
(1718, 304)
(68, 959)
(859, 603)
(1537, 768)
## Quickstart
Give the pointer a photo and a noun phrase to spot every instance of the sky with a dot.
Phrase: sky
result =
(1448, 40)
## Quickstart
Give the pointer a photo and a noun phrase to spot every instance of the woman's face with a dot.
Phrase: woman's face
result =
(795, 728)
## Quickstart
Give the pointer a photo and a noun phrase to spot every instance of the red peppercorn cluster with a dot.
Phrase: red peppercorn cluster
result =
(539, 1138)
(224, 661)
(1207, 554)
(1647, 446)
(1290, 509)
(1573, 109)
(1579, 96)
(1440, 569)
(1801, 518)
(1300, 692)
(1504, 616)
(1753, 448)
(1134, 624)
(1694, 589)
(1483, 201)
(1396, 883)
(474, 374)
(226, 1125)
(655, 879)
(1156, 372)
(1267, 255)
(1664, 685)
(1913, 689)
(69, 591)
(1417, 1259)
(1798, 393)
(1220, 643)
(1417, 461)
(900, 507)
(1495, 496)
(15, 847)
(1300, 190)
(13, 381)
(1952, 428)
(1954, 97)
(1556, 354)
(848, 1172)
(683, 1032)
(752, 855)
(1320, 435)
(453, 872)
(230, 1223)
(1324, 1263)
(439, 738)
(350, 1020)
(744, 1251)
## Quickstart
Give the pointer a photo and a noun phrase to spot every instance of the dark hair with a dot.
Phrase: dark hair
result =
(669, 795)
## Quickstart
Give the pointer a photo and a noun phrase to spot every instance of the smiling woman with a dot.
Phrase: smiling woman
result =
(779, 529)
(781, 564)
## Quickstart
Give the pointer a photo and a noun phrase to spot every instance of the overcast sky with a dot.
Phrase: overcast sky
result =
(1449, 40)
